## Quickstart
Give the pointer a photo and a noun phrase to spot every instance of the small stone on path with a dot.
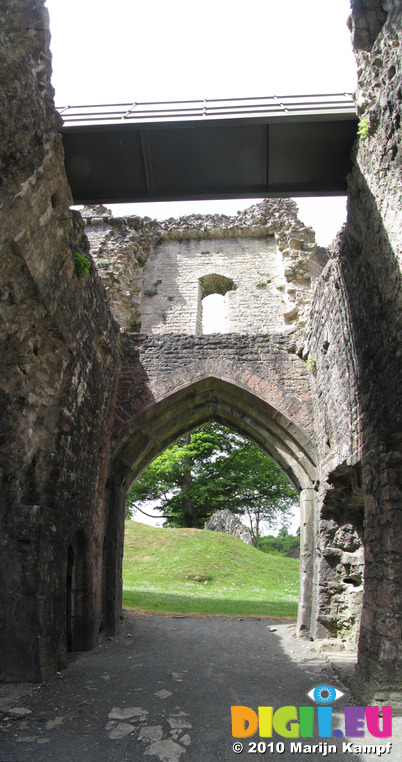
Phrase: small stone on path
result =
(17, 712)
(27, 739)
(186, 740)
(54, 723)
(151, 733)
(167, 751)
(178, 676)
(128, 713)
(163, 694)
(175, 723)
(121, 730)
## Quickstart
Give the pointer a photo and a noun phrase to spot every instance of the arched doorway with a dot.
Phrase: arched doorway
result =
(212, 399)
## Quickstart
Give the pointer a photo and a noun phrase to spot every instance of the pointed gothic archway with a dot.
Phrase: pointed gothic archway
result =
(161, 422)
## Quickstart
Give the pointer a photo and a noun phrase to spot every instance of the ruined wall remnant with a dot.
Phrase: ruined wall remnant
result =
(157, 273)
(341, 556)
(354, 336)
(180, 273)
(58, 361)
(226, 521)
(120, 248)
(372, 250)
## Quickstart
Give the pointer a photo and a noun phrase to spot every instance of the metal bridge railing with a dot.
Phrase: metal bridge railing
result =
(164, 111)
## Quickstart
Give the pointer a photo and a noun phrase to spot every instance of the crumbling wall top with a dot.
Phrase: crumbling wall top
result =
(124, 252)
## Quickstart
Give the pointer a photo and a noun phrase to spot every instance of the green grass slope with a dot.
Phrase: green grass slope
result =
(196, 571)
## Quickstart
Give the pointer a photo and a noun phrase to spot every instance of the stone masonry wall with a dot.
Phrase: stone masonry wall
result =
(255, 384)
(178, 273)
(58, 357)
(252, 378)
(331, 348)
(355, 339)
(152, 270)
(373, 247)
(266, 364)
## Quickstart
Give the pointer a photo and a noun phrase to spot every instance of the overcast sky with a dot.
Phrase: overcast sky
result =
(148, 50)
(126, 50)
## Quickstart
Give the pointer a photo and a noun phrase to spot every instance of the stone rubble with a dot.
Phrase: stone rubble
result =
(179, 676)
(168, 749)
(178, 724)
(54, 723)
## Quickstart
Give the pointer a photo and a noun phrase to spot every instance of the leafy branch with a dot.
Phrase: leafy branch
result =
(363, 128)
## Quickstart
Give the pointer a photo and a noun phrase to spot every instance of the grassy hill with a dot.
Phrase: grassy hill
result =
(196, 571)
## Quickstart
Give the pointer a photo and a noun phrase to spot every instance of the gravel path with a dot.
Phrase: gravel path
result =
(162, 690)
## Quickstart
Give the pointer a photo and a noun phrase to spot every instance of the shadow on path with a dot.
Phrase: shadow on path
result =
(163, 689)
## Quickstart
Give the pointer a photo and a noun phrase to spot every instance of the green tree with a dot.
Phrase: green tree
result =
(286, 545)
(210, 469)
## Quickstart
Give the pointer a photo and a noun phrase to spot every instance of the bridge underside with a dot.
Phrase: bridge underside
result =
(123, 160)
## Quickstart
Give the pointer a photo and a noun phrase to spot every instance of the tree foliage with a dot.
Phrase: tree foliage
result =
(210, 469)
(283, 544)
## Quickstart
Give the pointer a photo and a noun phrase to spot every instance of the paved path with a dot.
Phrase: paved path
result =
(162, 691)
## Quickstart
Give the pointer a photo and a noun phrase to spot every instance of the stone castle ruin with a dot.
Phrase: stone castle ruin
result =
(158, 273)
(100, 374)
(226, 521)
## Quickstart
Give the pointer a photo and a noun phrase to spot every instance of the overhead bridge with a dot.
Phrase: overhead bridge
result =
(209, 149)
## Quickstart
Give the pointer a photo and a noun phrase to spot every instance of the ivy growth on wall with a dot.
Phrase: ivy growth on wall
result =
(363, 128)
(82, 266)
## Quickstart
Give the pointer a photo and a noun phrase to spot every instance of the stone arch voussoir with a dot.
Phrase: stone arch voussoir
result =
(157, 367)
(276, 419)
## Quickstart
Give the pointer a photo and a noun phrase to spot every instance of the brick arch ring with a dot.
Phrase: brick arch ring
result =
(146, 424)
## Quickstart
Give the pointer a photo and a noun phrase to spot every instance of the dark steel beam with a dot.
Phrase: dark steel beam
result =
(181, 157)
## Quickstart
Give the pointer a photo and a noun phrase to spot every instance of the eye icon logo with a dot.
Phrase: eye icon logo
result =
(325, 694)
